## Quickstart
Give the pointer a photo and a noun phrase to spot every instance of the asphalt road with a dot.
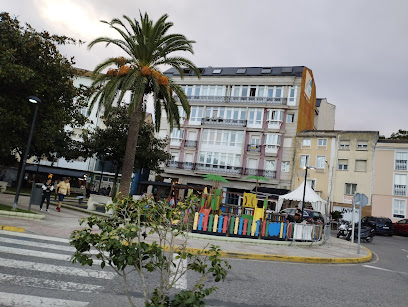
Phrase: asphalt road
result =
(37, 270)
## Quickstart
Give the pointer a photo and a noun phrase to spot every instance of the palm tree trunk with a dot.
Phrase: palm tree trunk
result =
(129, 159)
(115, 180)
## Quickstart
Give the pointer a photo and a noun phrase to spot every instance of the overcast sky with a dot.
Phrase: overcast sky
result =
(357, 50)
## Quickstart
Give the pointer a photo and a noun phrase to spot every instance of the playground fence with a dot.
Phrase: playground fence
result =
(276, 228)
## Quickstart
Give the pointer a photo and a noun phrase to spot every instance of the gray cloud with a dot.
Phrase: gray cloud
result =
(356, 49)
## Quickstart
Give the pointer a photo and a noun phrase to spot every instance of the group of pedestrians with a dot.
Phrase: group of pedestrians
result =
(62, 189)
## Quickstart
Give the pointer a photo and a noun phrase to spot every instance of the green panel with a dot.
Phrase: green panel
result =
(249, 226)
(265, 204)
(232, 219)
(266, 228)
(202, 201)
(213, 204)
(248, 217)
(210, 222)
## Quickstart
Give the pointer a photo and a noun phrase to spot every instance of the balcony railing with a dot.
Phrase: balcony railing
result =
(238, 100)
(254, 148)
(401, 165)
(190, 143)
(221, 169)
(400, 190)
(260, 172)
(223, 122)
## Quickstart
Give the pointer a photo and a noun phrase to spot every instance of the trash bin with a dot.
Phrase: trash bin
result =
(36, 194)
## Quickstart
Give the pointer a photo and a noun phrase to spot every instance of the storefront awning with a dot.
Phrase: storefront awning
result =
(55, 171)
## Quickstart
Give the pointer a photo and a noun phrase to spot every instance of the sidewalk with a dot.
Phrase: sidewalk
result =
(61, 224)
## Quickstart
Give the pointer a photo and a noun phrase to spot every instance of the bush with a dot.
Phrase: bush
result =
(121, 243)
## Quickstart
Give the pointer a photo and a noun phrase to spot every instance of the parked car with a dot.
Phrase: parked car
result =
(381, 225)
(401, 227)
(307, 214)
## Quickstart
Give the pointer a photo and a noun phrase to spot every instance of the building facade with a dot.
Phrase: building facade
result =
(343, 164)
(243, 122)
(324, 115)
(390, 180)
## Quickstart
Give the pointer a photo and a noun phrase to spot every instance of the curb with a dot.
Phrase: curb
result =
(22, 215)
(285, 258)
(12, 228)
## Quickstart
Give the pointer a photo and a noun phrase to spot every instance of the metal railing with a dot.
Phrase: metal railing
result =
(190, 143)
(400, 190)
(254, 148)
(401, 165)
(260, 172)
(238, 100)
(223, 122)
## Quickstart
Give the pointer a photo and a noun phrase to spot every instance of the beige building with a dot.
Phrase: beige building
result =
(324, 115)
(390, 180)
(342, 161)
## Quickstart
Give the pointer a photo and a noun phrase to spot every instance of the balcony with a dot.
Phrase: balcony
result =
(254, 148)
(267, 101)
(175, 142)
(223, 122)
(180, 165)
(400, 190)
(259, 172)
(274, 124)
(190, 143)
(400, 165)
(222, 169)
(271, 149)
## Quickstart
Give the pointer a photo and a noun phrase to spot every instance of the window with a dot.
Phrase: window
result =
(292, 95)
(255, 140)
(342, 165)
(399, 208)
(272, 139)
(311, 183)
(240, 71)
(216, 71)
(320, 162)
(401, 161)
(361, 166)
(266, 70)
(350, 188)
(196, 115)
(322, 143)
(304, 160)
(362, 145)
(306, 143)
(400, 184)
(290, 118)
(255, 117)
(344, 145)
(285, 166)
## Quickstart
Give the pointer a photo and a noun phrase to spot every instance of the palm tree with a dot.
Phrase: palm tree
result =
(147, 46)
(257, 178)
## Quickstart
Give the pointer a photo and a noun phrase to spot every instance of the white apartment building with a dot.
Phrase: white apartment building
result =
(243, 122)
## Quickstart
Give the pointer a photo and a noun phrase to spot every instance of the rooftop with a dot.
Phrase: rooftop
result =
(242, 71)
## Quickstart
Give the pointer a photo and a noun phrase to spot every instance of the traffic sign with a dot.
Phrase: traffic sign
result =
(360, 199)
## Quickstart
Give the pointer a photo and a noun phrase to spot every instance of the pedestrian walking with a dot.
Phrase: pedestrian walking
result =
(63, 188)
(47, 188)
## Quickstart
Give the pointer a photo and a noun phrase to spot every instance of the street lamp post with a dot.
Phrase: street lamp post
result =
(304, 187)
(35, 100)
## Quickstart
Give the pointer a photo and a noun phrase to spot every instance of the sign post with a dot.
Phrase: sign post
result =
(361, 200)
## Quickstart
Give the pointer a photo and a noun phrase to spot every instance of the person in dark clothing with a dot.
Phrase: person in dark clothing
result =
(47, 188)
(108, 190)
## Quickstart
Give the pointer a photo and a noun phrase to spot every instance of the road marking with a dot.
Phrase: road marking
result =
(38, 244)
(177, 273)
(49, 268)
(32, 236)
(382, 269)
(12, 300)
(404, 250)
(31, 253)
(26, 281)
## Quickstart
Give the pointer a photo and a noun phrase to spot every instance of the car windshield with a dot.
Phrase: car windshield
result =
(383, 221)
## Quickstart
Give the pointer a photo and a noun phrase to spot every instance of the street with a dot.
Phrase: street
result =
(36, 270)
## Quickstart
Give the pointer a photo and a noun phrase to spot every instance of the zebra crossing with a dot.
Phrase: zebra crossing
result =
(37, 271)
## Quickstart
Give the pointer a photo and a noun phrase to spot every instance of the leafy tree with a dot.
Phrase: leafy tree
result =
(122, 240)
(30, 64)
(109, 143)
(400, 135)
(147, 46)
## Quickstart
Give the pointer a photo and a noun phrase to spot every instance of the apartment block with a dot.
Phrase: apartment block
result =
(390, 180)
(342, 164)
(243, 122)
